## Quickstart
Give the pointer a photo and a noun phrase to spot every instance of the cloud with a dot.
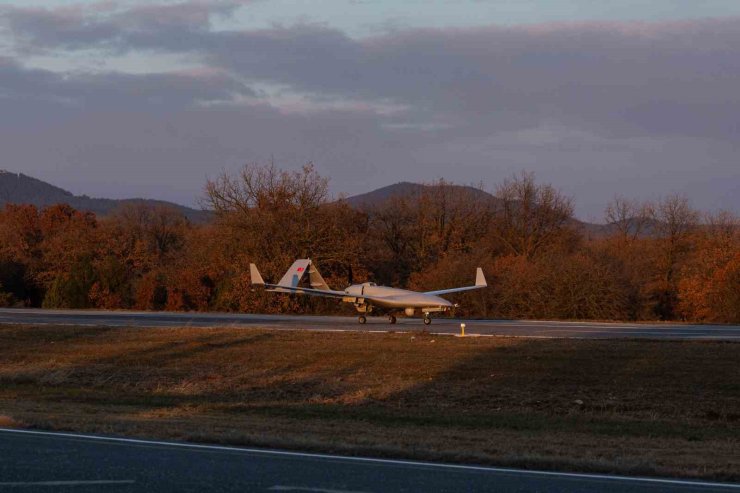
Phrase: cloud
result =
(595, 76)
(676, 78)
(109, 24)
(127, 92)
(579, 103)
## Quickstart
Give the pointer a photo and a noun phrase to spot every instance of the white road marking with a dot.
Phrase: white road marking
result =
(310, 489)
(68, 483)
(370, 460)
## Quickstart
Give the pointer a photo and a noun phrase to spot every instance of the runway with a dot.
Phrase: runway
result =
(46, 461)
(518, 328)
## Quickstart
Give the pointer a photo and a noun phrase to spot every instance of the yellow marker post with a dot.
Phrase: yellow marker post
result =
(462, 330)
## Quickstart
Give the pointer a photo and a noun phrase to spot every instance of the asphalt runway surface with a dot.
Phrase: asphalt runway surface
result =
(522, 328)
(46, 461)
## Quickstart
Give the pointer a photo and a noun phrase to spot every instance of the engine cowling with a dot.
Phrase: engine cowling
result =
(354, 290)
(410, 312)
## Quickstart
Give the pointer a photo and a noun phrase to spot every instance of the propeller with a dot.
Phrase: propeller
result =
(349, 274)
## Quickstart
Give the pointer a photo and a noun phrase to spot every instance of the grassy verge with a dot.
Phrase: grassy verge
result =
(635, 407)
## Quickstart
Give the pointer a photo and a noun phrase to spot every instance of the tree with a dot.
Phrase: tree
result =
(160, 228)
(67, 252)
(71, 289)
(530, 218)
(450, 218)
(20, 253)
(628, 218)
(274, 216)
(413, 232)
(392, 249)
(6, 299)
(674, 221)
(709, 285)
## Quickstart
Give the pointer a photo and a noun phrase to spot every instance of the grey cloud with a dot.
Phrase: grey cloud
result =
(187, 14)
(117, 90)
(109, 25)
(594, 76)
(596, 109)
(38, 28)
(623, 79)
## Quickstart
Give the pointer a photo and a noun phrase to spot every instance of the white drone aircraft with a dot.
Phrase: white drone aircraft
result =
(366, 296)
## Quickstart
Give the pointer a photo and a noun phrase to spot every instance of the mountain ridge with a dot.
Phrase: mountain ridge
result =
(377, 197)
(406, 188)
(23, 189)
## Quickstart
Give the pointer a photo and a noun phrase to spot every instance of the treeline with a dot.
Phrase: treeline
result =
(656, 261)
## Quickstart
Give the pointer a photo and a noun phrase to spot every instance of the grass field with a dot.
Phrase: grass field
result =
(620, 406)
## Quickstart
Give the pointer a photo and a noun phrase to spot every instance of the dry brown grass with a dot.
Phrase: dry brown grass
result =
(647, 407)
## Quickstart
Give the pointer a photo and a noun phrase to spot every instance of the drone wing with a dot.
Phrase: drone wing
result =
(480, 282)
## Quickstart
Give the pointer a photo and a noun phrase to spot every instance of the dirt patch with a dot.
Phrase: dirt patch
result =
(640, 407)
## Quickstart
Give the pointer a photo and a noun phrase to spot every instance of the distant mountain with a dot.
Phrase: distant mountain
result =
(377, 197)
(407, 189)
(21, 189)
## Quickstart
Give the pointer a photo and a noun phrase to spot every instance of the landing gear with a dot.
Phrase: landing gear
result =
(427, 320)
(391, 319)
(361, 319)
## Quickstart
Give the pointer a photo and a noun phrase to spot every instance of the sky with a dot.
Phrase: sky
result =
(118, 99)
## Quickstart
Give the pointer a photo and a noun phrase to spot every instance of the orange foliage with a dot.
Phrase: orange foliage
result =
(663, 263)
(709, 289)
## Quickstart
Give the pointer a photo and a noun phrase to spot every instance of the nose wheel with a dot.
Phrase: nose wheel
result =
(427, 319)
(391, 319)
(362, 319)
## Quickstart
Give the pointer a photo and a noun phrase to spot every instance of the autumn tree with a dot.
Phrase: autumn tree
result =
(276, 216)
(450, 218)
(709, 286)
(459, 270)
(392, 244)
(530, 218)
(629, 219)
(411, 233)
(67, 253)
(673, 221)
(630, 244)
(137, 250)
(20, 254)
(656, 260)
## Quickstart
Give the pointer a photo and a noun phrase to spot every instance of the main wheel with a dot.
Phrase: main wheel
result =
(391, 319)
(362, 319)
(427, 320)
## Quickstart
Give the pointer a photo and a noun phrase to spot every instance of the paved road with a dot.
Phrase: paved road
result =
(526, 328)
(42, 461)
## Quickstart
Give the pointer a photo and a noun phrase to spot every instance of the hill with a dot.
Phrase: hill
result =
(22, 189)
(406, 189)
(377, 197)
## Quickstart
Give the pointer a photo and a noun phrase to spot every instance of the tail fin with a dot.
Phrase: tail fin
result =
(256, 276)
(293, 276)
(295, 273)
(317, 282)
(480, 279)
